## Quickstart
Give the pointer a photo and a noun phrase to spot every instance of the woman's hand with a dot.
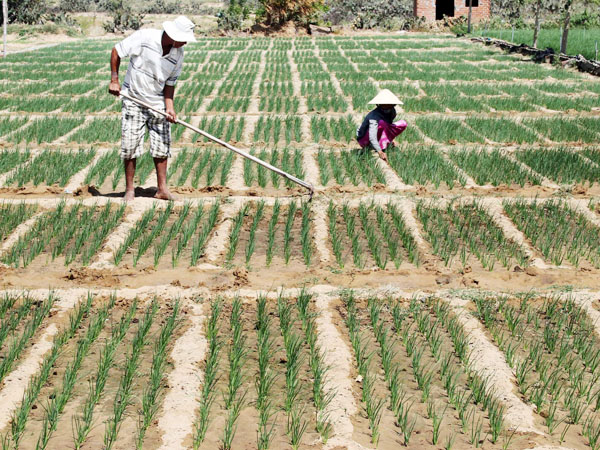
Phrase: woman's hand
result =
(383, 156)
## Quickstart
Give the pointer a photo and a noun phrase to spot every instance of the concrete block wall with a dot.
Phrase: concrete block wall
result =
(427, 9)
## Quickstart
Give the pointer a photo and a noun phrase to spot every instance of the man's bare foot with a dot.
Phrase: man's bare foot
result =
(165, 195)
(129, 196)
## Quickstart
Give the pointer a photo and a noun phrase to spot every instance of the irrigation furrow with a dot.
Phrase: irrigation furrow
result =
(180, 404)
(490, 363)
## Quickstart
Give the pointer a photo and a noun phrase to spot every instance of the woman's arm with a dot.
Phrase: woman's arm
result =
(373, 128)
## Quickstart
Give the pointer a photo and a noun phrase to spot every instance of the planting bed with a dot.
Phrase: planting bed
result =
(446, 299)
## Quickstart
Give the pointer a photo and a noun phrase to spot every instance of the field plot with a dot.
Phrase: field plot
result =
(559, 232)
(182, 233)
(370, 236)
(280, 235)
(81, 380)
(64, 234)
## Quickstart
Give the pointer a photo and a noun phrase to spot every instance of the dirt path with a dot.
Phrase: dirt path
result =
(176, 418)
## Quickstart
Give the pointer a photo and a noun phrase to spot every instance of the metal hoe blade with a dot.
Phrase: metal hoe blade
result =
(228, 146)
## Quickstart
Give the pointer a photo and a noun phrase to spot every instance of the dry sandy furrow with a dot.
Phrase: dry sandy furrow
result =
(321, 228)
(6, 176)
(392, 179)
(489, 362)
(581, 206)
(339, 359)
(335, 82)
(585, 300)
(297, 83)
(78, 179)
(104, 259)
(218, 242)
(311, 167)
(176, 421)
(406, 208)
(19, 232)
(254, 106)
(494, 208)
(17, 381)
(235, 180)
(209, 98)
(470, 183)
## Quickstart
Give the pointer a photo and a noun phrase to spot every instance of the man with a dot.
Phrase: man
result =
(156, 59)
(378, 128)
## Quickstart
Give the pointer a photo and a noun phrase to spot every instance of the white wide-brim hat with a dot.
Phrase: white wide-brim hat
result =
(180, 29)
(385, 97)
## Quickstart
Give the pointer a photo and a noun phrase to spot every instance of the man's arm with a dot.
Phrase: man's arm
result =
(115, 61)
(169, 106)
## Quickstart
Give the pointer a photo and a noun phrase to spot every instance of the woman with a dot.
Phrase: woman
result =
(378, 129)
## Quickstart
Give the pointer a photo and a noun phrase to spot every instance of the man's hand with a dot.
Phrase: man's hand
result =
(114, 88)
(383, 156)
(171, 116)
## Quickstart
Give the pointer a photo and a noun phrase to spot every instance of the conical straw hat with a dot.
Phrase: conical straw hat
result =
(385, 97)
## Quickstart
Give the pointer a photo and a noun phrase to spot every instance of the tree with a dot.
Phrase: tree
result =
(26, 11)
(278, 12)
(566, 11)
(470, 15)
(510, 10)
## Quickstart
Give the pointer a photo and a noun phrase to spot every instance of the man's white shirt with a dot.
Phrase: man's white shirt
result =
(149, 71)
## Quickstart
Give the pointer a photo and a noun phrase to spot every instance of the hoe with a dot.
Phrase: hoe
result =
(284, 174)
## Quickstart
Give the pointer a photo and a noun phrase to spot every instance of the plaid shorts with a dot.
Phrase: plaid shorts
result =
(133, 129)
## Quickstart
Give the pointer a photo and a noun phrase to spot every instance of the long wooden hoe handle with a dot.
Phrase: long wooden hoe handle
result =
(227, 145)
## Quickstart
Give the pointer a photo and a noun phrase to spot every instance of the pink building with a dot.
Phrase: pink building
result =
(436, 9)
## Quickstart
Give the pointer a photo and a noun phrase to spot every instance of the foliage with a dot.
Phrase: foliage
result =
(76, 5)
(367, 15)
(123, 17)
(232, 17)
(278, 12)
(25, 11)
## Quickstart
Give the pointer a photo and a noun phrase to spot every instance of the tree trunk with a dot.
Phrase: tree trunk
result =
(5, 23)
(470, 14)
(536, 29)
(565, 36)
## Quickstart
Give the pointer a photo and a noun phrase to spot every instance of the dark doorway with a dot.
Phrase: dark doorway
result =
(444, 8)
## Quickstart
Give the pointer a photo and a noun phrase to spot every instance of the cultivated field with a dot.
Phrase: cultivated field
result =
(446, 300)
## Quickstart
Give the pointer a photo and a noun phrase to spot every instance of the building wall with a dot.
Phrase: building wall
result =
(426, 8)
